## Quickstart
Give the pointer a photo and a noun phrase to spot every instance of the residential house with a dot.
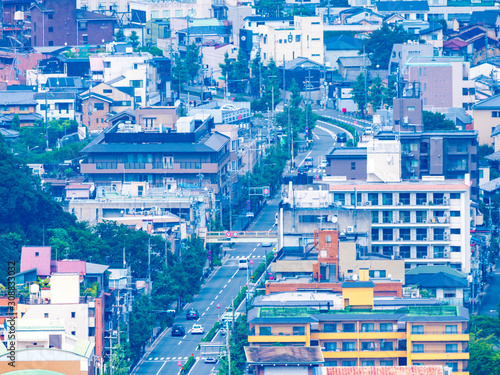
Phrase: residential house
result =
(20, 103)
(252, 23)
(109, 7)
(348, 162)
(104, 101)
(360, 334)
(157, 29)
(341, 46)
(433, 35)
(80, 26)
(486, 115)
(444, 283)
(302, 39)
(218, 34)
(306, 73)
(487, 18)
(353, 66)
(36, 257)
(409, 10)
(443, 82)
(58, 105)
(474, 43)
(359, 14)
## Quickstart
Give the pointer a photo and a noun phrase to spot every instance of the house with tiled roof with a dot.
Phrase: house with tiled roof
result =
(409, 10)
(341, 46)
(486, 117)
(20, 103)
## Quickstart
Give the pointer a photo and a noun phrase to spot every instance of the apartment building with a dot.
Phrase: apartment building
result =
(424, 222)
(303, 38)
(444, 82)
(358, 334)
(191, 156)
(143, 11)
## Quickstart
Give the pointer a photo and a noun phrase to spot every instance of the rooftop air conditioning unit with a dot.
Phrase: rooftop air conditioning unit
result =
(400, 203)
(350, 229)
(424, 257)
(368, 203)
(425, 239)
(400, 222)
(424, 221)
(400, 239)
(445, 237)
(359, 203)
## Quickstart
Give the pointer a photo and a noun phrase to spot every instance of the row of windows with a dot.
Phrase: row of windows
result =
(351, 327)
(408, 234)
(352, 363)
(400, 199)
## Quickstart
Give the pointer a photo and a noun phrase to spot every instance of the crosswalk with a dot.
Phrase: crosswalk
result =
(244, 257)
(170, 359)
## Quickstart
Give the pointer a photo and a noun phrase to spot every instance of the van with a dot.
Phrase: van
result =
(308, 162)
(341, 137)
(243, 264)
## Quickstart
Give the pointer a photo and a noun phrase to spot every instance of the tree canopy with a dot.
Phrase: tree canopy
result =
(437, 121)
(379, 45)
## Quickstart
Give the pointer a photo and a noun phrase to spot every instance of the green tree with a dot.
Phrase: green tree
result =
(134, 39)
(121, 364)
(255, 79)
(16, 123)
(237, 341)
(271, 83)
(192, 61)
(484, 358)
(379, 45)
(180, 75)
(377, 93)
(120, 36)
(141, 324)
(437, 121)
(241, 71)
(359, 93)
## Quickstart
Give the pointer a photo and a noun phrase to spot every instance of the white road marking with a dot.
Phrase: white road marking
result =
(156, 358)
(162, 358)
(150, 359)
(315, 135)
(302, 162)
(184, 336)
(220, 292)
(207, 308)
(217, 296)
(224, 286)
(164, 363)
(211, 303)
(204, 313)
(179, 343)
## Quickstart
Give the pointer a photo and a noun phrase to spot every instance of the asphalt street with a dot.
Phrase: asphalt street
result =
(489, 304)
(223, 286)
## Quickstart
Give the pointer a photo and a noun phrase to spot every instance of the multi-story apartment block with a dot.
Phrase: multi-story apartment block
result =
(143, 11)
(359, 334)
(303, 38)
(424, 222)
(402, 52)
(191, 156)
(444, 82)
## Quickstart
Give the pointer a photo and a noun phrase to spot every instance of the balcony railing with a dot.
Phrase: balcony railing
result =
(440, 351)
(160, 165)
(135, 165)
(106, 165)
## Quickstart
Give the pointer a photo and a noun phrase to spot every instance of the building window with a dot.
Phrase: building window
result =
(455, 249)
(421, 234)
(387, 199)
(375, 234)
(387, 363)
(404, 199)
(421, 216)
(410, 108)
(418, 348)
(387, 234)
(388, 250)
(73, 333)
(421, 252)
(455, 231)
(454, 195)
(353, 165)
(453, 366)
(348, 346)
(494, 113)
(387, 217)
(348, 327)
(107, 91)
(330, 346)
(455, 213)
(417, 330)
(374, 216)
(46, 315)
(51, 42)
(367, 327)
(136, 83)
(339, 198)
(386, 346)
(73, 314)
(405, 252)
(349, 363)
(51, 29)
(51, 16)
(450, 330)
(98, 106)
(298, 331)
(330, 328)
(373, 199)
(265, 331)
(386, 327)
(37, 254)
(404, 216)
(367, 363)
(331, 363)
(85, 38)
(297, 38)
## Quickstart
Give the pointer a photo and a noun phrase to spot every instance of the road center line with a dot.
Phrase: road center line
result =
(179, 343)
(164, 363)
(211, 303)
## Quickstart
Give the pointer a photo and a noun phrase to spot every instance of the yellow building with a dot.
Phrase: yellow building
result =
(359, 335)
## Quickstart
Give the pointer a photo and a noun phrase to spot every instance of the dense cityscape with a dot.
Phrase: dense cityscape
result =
(266, 187)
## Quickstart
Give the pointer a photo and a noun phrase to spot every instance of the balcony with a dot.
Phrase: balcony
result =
(106, 165)
(134, 165)
(120, 168)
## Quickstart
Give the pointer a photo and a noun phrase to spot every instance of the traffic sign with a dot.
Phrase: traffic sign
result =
(209, 252)
(251, 261)
(235, 234)
(209, 257)
(218, 305)
(355, 122)
(228, 234)
(265, 191)
(179, 363)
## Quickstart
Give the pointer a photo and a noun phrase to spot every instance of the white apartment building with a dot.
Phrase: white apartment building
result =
(103, 6)
(143, 11)
(57, 105)
(303, 38)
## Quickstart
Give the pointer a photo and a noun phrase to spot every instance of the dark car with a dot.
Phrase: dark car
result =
(192, 314)
(178, 330)
(302, 169)
(341, 137)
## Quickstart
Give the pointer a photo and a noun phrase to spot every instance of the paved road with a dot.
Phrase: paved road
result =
(489, 305)
(222, 288)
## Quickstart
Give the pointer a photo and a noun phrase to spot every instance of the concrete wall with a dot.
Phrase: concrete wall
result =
(484, 123)
(65, 288)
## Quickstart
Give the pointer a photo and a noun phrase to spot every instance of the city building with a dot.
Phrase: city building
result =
(301, 38)
(444, 82)
(191, 156)
(485, 116)
(361, 334)
(58, 105)
(402, 52)
(60, 23)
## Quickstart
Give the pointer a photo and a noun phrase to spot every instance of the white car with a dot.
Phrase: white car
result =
(197, 329)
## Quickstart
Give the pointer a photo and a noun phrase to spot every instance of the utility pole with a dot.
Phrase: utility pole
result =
(366, 73)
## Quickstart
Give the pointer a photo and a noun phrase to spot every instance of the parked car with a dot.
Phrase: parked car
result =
(308, 162)
(368, 130)
(192, 314)
(267, 244)
(178, 330)
(171, 313)
(197, 329)
(211, 360)
(323, 164)
(341, 137)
